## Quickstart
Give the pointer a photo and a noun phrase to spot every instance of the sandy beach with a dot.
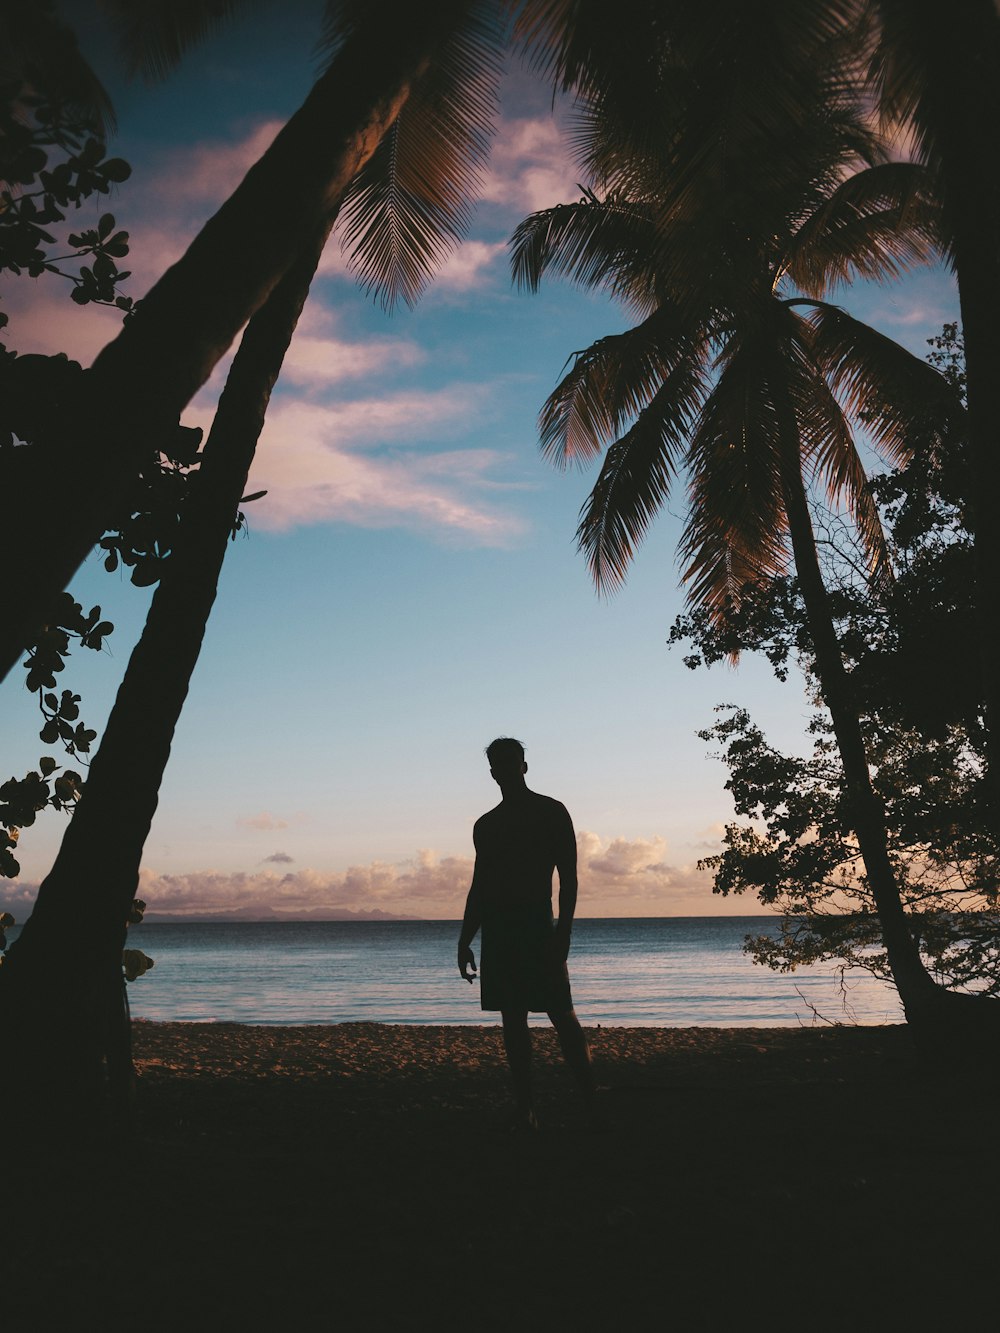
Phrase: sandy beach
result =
(364, 1176)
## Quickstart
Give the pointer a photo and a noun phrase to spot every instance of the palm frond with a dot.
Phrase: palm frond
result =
(39, 53)
(828, 448)
(735, 533)
(154, 36)
(893, 393)
(903, 67)
(877, 224)
(608, 384)
(587, 46)
(636, 476)
(599, 243)
(411, 205)
(721, 570)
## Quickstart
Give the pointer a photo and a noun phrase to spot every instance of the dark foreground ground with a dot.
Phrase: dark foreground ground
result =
(363, 1177)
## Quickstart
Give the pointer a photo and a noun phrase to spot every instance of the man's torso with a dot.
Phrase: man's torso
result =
(518, 845)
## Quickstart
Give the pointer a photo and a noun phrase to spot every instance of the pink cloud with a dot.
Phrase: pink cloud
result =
(44, 321)
(313, 362)
(393, 418)
(471, 266)
(617, 877)
(633, 878)
(423, 884)
(166, 202)
(263, 821)
(202, 175)
(312, 476)
(531, 167)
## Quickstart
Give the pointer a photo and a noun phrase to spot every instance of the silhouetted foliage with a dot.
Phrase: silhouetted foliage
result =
(910, 648)
(48, 165)
(53, 158)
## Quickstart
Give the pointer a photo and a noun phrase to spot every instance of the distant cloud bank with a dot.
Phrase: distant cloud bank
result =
(618, 877)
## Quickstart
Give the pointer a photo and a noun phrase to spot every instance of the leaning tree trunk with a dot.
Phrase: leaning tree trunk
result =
(61, 985)
(950, 57)
(142, 381)
(969, 91)
(917, 989)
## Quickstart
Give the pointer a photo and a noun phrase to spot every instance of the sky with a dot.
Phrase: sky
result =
(409, 587)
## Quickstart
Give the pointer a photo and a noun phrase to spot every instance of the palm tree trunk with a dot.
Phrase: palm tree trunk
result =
(915, 986)
(62, 980)
(142, 381)
(952, 55)
(969, 78)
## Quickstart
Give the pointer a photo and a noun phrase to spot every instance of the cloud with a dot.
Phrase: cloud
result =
(201, 174)
(44, 321)
(312, 476)
(618, 877)
(913, 313)
(279, 859)
(307, 459)
(530, 167)
(264, 821)
(471, 266)
(314, 362)
(18, 897)
(632, 877)
(399, 418)
(168, 199)
(710, 840)
(424, 885)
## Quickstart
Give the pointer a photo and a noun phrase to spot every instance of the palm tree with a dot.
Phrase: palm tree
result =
(936, 70)
(725, 231)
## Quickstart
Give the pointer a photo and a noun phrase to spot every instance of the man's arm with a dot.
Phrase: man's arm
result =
(470, 924)
(566, 866)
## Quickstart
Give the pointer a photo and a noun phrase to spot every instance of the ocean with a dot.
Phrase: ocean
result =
(655, 972)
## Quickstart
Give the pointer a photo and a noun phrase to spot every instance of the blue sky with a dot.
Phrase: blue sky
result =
(409, 587)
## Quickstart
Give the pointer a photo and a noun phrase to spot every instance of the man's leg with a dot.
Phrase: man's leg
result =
(575, 1049)
(517, 1043)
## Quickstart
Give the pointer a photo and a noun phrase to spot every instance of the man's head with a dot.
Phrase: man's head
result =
(506, 760)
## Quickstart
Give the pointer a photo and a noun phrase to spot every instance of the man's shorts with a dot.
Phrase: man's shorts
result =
(518, 968)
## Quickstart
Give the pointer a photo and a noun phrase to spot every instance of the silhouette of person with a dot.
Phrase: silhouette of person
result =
(523, 950)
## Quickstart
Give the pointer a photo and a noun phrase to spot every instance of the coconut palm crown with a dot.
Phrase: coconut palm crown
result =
(724, 215)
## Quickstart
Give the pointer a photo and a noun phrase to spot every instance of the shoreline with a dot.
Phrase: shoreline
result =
(373, 1050)
(461, 1070)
